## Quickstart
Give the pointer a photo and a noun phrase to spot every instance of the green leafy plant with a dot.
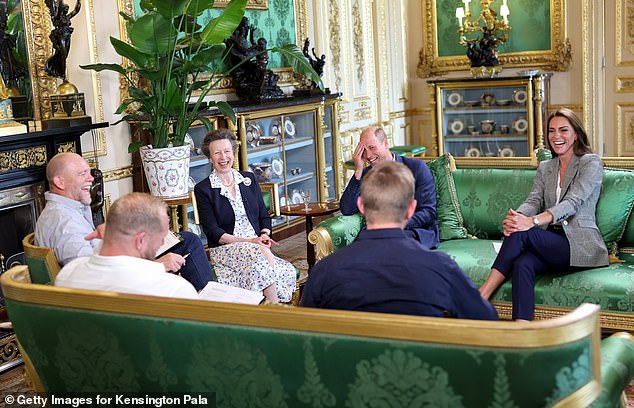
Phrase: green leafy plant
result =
(173, 64)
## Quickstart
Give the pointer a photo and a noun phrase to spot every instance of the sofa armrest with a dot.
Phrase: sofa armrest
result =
(617, 368)
(334, 233)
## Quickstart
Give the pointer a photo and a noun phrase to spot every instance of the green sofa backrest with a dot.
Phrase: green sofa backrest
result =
(241, 355)
(486, 194)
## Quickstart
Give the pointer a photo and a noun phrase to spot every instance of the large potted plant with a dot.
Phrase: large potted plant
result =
(172, 64)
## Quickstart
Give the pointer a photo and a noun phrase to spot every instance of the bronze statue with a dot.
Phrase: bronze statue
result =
(483, 52)
(11, 68)
(60, 36)
(252, 80)
(316, 62)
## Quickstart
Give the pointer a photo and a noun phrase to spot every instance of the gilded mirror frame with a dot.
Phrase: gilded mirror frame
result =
(37, 25)
(557, 58)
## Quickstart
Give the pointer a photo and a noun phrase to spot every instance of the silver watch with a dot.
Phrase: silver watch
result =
(536, 221)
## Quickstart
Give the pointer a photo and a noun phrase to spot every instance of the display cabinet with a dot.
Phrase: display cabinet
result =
(292, 144)
(498, 118)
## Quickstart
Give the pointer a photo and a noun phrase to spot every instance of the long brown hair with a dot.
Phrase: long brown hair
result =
(581, 145)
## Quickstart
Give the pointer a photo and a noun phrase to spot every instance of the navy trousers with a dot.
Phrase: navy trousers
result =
(197, 269)
(527, 254)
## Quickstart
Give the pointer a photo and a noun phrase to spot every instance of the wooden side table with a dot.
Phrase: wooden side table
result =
(314, 210)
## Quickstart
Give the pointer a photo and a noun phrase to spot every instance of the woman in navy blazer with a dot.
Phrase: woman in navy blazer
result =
(238, 226)
(564, 200)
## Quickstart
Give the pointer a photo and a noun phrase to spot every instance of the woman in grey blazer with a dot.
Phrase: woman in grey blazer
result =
(563, 200)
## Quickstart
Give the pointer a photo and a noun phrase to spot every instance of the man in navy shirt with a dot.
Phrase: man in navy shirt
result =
(386, 271)
(374, 148)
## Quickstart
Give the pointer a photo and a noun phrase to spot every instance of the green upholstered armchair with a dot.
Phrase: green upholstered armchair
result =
(42, 262)
(242, 355)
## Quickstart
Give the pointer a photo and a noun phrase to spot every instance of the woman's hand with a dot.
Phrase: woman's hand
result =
(515, 222)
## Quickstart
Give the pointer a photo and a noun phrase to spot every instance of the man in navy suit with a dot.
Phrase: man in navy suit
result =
(374, 148)
(384, 270)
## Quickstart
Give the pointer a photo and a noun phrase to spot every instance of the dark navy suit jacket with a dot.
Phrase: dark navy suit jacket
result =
(216, 214)
(423, 224)
(385, 271)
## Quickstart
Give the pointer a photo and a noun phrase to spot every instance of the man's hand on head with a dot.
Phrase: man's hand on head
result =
(359, 160)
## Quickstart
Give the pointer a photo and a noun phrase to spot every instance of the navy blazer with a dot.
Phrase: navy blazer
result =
(424, 223)
(385, 271)
(216, 214)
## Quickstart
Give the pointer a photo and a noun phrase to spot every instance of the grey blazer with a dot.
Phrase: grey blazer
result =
(576, 208)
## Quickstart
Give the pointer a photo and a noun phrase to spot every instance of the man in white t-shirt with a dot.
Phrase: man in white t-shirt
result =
(136, 226)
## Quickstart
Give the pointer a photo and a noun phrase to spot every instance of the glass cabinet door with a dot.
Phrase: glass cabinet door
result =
(329, 153)
(281, 149)
(486, 121)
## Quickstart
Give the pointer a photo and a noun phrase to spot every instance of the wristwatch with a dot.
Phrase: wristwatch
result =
(536, 221)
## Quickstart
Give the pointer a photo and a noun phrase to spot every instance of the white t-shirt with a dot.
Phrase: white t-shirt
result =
(124, 274)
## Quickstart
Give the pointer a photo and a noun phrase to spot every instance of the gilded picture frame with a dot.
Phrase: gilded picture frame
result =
(557, 56)
(251, 4)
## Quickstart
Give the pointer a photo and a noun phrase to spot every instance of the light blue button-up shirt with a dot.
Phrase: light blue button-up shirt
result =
(62, 225)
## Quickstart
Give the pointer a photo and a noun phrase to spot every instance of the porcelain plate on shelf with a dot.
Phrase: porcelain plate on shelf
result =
(289, 128)
(456, 126)
(519, 96)
(296, 197)
(454, 99)
(275, 130)
(254, 131)
(520, 125)
(278, 166)
(473, 151)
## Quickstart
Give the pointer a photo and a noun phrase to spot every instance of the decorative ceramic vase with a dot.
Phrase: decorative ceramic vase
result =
(167, 170)
(487, 126)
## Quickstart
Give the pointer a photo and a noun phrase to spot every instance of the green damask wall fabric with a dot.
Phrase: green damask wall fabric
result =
(485, 196)
(277, 25)
(448, 211)
(81, 351)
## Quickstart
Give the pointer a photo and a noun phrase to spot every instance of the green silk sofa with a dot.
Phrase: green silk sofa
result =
(94, 342)
(471, 204)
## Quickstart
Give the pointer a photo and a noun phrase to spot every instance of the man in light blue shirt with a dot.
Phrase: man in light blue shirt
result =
(66, 221)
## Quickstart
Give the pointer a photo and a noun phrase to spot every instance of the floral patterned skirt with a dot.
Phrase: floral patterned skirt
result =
(243, 264)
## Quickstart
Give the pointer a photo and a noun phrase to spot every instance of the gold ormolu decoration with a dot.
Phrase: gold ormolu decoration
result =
(9, 350)
(66, 148)
(558, 58)
(335, 40)
(23, 158)
(357, 42)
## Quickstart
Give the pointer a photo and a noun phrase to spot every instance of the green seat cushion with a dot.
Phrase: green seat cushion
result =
(448, 212)
(485, 196)
(411, 149)
(615, 205)
(611, 287)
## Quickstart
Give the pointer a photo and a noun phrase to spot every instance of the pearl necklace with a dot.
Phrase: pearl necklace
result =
(227, 185)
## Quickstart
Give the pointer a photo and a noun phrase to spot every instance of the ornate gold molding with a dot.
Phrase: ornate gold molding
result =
(624, 35)
(23, 158)
(335, 40)
(37, 25)
(98, 135)
(357, 41)
(558, 58)
(625, 84)
(301, 21)
(251, 4)
(624, 128)
(117, 174)
(68, 147)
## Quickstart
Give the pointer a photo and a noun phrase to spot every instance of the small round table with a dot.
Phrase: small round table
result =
(314, 210)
